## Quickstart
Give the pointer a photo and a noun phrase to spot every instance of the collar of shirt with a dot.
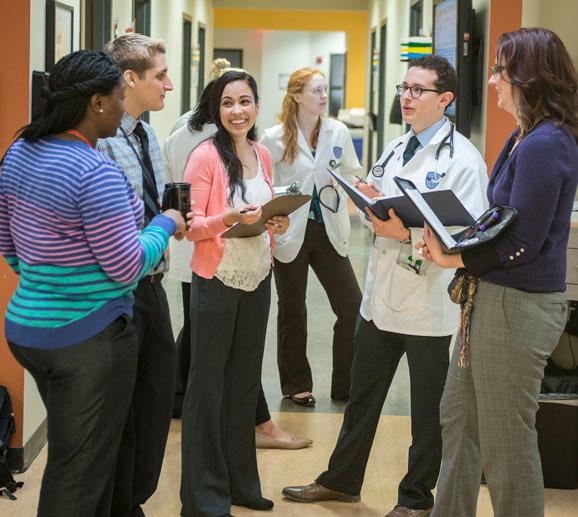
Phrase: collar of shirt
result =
(128, 123)
(427, 134)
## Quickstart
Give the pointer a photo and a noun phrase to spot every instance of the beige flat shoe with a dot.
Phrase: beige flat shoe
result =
(265, 442)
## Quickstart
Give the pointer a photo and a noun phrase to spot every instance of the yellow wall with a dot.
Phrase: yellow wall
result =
(353, 23)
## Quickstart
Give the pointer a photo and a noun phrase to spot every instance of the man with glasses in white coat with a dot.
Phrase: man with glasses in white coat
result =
(405, 307)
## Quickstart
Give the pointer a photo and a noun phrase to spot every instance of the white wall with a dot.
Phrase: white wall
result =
(267, 54)
(34, 410)
(396, 14)
(167, 23)
(248, 40)
(333, 5)
(561, 16)
(285, 51)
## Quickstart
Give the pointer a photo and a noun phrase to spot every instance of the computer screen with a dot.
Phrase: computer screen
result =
(452, 39)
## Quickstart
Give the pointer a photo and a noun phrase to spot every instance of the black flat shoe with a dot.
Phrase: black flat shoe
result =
(260, 505)
(308, 401)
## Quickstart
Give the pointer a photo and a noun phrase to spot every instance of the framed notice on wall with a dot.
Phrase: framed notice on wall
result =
(63, 29)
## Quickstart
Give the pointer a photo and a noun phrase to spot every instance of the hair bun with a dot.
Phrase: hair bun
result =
(218, 66)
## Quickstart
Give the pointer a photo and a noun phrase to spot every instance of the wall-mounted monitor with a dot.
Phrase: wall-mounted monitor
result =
(452, 39)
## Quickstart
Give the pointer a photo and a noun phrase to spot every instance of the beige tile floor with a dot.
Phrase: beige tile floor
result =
(280, 468)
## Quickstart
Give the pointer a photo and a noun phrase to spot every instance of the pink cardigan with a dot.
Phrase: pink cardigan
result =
(210, 191)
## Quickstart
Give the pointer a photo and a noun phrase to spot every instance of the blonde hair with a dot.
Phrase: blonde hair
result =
(135, 52)
(219, 67)
(288, 115)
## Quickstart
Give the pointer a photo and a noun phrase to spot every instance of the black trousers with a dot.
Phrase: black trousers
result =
(262, 414)
(338, 280)
(145, 434)
(86, 389)
(219, 461)
(377, 355)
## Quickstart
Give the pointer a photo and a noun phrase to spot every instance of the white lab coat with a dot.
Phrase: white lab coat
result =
(334, 143)
(395, 298)
(178, 146)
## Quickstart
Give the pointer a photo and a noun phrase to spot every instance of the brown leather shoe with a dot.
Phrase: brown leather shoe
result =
(404, 511)
(315, 492)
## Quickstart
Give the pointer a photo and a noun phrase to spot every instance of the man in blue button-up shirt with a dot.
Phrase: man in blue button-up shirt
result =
(136, 150)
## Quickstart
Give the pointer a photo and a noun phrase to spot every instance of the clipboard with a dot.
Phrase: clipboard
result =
(282, 205)
(488, 226)
(449, 208)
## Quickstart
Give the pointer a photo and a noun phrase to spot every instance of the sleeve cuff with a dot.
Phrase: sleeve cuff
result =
(166, 223)
(481, 259)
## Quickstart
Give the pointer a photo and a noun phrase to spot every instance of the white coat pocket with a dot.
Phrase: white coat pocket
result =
(402, 290)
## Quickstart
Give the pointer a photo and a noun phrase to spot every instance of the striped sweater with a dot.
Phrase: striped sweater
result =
(69, 226)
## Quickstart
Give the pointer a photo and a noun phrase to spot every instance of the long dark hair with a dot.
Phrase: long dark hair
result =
(202, 112)
(71, 83)
(222, 139)
(543, 78)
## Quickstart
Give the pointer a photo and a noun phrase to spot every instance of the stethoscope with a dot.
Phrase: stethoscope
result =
(379, 170)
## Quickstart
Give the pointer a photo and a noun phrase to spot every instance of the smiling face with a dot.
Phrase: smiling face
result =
(313, 98)
(237, 109)
(427, 109)
(148, 92)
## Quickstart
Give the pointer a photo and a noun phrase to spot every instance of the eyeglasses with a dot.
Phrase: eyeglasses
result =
(414, 91)
(496, 69)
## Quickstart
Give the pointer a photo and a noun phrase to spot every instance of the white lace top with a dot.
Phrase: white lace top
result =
(246, 262)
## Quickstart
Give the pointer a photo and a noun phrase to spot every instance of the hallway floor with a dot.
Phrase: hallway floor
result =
(280, 468)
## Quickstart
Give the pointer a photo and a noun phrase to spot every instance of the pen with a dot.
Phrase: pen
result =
(245, 210)
(488, 221)
(361, 180)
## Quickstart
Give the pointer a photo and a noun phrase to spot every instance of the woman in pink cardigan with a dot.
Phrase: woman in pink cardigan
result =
(230, 178)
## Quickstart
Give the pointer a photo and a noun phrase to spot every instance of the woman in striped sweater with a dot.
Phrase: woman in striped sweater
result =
(69, 227)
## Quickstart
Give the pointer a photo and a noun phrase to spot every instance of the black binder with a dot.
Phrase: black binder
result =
(488, 226)
(447, 206)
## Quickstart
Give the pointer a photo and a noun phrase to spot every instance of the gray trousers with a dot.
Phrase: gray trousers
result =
(219, 461)
(488, 410)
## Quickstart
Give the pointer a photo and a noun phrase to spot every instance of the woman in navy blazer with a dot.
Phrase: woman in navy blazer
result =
(512, 289)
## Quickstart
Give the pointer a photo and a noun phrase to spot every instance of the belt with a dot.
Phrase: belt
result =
(153, 279)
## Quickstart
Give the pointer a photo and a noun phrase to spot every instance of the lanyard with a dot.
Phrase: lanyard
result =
(79, 135)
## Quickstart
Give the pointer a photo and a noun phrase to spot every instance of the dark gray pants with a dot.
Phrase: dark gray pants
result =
(142, 447)
(86, 389)
(377, 355)
(338, 280)
(219, 462)
(184, 361)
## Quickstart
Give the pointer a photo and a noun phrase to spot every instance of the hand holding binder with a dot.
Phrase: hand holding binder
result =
(449, 208)
(282, 205)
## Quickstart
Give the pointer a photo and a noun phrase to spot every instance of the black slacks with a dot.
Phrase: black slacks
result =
(145, 434)
(377, 355)
(86, 389)
(338, 280)
(183, 351)
(262, 414)
(219, 461)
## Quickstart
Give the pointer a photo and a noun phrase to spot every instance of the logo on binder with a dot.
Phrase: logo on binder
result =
(432, 179)
(337, 152)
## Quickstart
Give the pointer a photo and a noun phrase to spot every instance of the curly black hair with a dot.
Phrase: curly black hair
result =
(71, 83)
(447, 80)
